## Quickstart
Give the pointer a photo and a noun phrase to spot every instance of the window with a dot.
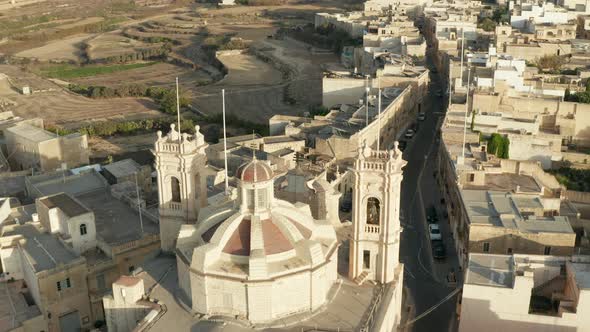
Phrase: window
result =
(250, 198)
(63, 284)
(175, 188)
(373, 211)
(486, 247)
(83, 229)
(547, 251)
(261, 199)
(471, 177)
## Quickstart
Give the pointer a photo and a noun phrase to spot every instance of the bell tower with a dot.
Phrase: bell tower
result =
(374, 247)
(180, 163)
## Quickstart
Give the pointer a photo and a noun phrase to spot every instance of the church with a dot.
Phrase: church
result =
(248, 255)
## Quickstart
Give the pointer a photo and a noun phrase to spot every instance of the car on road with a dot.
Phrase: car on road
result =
(434, 231)
(402, 145)
(422, 116)
(409, 133)
(431, 215)
(439, 93)
(438, 249)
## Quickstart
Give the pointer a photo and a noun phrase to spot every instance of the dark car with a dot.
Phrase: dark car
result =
(402, 145)
(438, 250)
(431, 215)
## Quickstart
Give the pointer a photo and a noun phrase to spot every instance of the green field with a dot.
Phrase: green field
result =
(72, 71)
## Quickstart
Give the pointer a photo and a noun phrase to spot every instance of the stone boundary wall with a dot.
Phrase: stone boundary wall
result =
(578, 196)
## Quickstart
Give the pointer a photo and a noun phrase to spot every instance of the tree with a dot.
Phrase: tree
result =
(487, 24)
(552, 63)
(498, 145)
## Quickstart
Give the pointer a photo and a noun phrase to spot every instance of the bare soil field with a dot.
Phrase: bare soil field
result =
(247, 69)
(66, 109)
(160, 74)
(113, 44)
(104, 147)
(73, 111)
(62, 50)
(244, 31)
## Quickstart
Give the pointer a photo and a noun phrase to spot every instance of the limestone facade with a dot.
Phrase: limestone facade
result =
(374, 247)
(180, 161)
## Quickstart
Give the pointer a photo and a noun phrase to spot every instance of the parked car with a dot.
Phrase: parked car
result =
(431, 215)
(402, 145)
(438, 249)
(410, 133)
(434, 232)
(422, 116)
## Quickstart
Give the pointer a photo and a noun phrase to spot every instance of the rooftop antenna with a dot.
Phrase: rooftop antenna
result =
(224, 142)
(466, 110)
(379, 116)
(178, 109)
(138, 204)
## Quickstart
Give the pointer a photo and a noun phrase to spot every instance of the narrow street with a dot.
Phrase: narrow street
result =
(425, 279)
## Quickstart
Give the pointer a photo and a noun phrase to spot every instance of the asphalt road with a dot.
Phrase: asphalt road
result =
(425, 279)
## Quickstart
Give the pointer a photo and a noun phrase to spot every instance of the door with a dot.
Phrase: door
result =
(70, 322)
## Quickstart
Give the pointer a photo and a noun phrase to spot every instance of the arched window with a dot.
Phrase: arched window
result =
(373, 211)
(175, 187)
(83, 230)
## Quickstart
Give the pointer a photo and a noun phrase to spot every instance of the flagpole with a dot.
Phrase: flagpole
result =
(379, 116)
(224, 142)
(178, 109)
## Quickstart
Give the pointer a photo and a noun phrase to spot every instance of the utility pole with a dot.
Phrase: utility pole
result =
(466, 111)
(138, 204)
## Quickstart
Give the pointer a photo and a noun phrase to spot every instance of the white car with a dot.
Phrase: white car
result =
(421, 116)
(409, 133)
(434, 232)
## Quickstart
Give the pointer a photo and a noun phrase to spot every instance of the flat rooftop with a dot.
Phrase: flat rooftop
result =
(43, 251)
(505, 209)
(16, 307)
(582, 274)
(68, 205)
(122, 168)
(115, 221)
(490, 270)
(31, 133)
(508, 182)
(66, 182)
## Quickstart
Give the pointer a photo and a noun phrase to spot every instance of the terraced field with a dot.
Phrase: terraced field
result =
(60, 107)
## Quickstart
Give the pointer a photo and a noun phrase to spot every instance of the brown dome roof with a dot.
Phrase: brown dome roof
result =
(254, 171)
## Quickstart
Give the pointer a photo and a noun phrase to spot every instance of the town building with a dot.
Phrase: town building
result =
(525, 293)
(128, 170)
(30, 147)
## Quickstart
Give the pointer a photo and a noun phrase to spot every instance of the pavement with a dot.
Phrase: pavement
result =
(425, 279)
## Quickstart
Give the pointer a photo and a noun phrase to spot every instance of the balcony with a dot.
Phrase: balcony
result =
(173, 209)
(372, 229)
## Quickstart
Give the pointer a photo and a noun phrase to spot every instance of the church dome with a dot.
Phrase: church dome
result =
(275, 245)
(254, 171)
